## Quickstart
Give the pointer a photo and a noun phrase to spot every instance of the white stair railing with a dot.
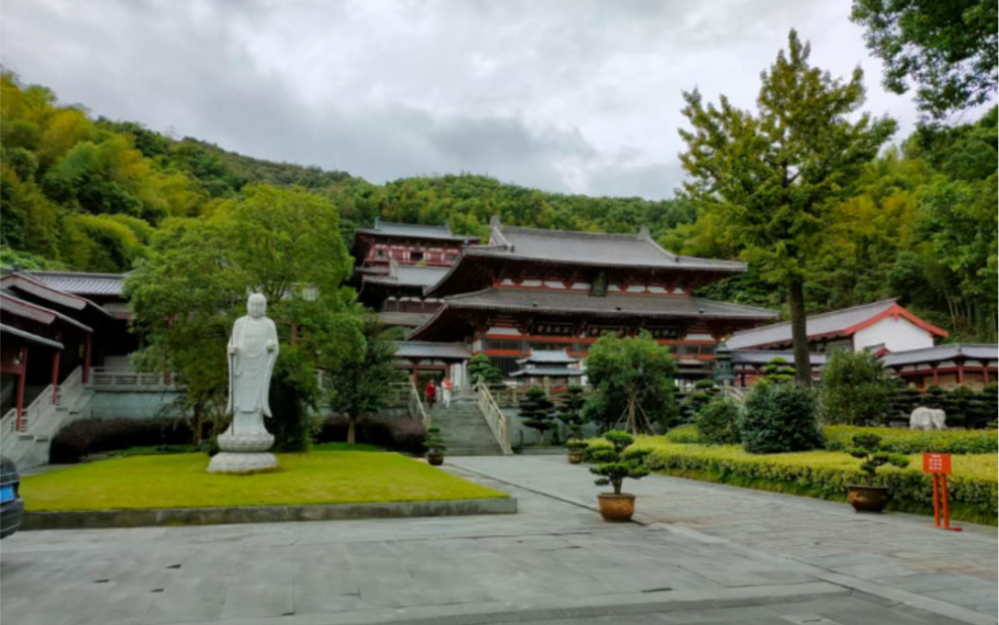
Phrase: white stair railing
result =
(498, 422)
(733, 392)
(116, 377)
(415, 406)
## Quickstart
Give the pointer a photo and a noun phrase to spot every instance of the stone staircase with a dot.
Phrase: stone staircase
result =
(29, 448)
(465, 429)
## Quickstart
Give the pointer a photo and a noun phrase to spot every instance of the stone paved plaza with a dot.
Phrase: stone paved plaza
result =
(700, 553)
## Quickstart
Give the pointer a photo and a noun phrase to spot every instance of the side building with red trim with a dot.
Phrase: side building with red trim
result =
(905, 343)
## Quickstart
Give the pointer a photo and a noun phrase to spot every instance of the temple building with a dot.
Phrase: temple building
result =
(548, 369)
(394, 263)
(530, 289)
(52, 337)
(882, 325)
(905, 343)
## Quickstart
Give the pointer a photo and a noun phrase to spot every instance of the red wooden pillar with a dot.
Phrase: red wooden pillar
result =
(55, 375)
(936, 375)
(985, 374)
(20, 386)
(960, 374)
(87, 355)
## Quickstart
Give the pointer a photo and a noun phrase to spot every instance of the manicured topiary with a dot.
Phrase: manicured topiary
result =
(537, 411)
(617, 463)
(778, 418)
(570, 410)
(718, 422)
(435, 441)
(867, 447)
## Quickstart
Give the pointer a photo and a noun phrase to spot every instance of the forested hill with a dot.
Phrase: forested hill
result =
(88, 194)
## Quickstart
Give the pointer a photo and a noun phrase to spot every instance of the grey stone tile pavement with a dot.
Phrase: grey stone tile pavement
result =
(705, 554)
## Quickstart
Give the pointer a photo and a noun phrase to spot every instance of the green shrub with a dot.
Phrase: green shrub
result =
(902, 441)
(856, 390)
(718, 422)
(826, 474)
(87, 437)
(779, 418)
(684, 435)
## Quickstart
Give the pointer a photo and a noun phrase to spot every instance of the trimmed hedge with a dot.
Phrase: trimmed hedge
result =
(826, 474)
(901, 441)
(684, 435)
(87, 437)
(402, 434)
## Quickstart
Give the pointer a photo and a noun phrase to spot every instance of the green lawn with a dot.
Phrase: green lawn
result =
(180, 481)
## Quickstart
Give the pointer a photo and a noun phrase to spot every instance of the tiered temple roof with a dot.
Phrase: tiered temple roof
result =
(551, 363)
(576, 256)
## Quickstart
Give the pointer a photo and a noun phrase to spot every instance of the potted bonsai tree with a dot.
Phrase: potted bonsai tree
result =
(435, 446)
(868, 497)
(615, 464)
(577, 449)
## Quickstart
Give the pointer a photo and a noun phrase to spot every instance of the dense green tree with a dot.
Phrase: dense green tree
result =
(186, 295)
(632, 381)
(948, 48)
(856, 389)
(360, 385)
(772, 176)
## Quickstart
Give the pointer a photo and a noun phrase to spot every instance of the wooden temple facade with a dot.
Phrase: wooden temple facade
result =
(395, 263)
(530, 289)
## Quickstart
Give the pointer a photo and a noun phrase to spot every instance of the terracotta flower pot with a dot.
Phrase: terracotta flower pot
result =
(435, 460)
(575, 456)
(618, 508)
(867, 498)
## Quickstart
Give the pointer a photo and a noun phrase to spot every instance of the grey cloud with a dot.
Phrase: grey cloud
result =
(566, 95)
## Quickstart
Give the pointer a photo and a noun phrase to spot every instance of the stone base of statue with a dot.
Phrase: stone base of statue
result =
(243, 453)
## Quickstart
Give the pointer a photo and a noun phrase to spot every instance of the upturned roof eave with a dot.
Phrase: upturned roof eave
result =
(458, 267)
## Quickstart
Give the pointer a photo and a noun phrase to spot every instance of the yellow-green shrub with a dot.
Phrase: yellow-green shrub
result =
(901, 441)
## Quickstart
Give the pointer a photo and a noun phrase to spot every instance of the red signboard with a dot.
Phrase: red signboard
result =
(936, 463)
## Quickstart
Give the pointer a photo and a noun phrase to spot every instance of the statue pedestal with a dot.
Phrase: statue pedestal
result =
(243, 453)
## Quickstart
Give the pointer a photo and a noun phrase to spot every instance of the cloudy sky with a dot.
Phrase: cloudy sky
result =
(579, 96)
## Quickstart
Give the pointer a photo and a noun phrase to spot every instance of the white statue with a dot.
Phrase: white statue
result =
(253, 349)
(927, 419)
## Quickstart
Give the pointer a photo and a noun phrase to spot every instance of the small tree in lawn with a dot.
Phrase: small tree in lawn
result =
(537, 411)
(617, 463)
(570, 410)
(479, 367)
(361, 386)
(867, 447)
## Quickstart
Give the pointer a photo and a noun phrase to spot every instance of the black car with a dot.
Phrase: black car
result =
(11, 504)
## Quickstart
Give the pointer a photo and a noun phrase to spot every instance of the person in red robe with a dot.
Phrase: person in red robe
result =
(431, 392)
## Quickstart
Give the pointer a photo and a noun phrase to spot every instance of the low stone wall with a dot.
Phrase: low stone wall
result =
(131, 403)
(85, 519)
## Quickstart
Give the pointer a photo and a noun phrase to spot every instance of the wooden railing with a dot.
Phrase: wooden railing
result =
(498, 422)
(116, 378)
